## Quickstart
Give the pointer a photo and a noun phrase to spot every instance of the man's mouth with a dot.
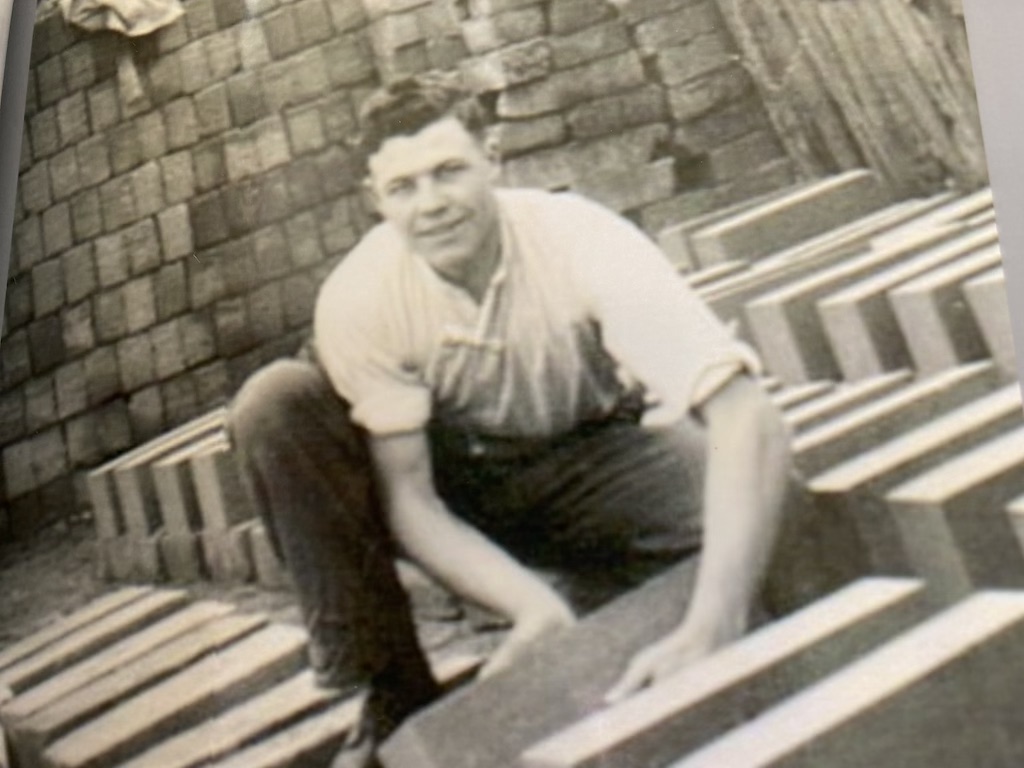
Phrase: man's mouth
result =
(442, 230)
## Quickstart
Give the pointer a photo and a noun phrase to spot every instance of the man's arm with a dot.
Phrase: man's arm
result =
(458, 555)
(747, 470)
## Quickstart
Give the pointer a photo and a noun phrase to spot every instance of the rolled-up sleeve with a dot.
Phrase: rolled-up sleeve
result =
(652, 323)
(363, 358)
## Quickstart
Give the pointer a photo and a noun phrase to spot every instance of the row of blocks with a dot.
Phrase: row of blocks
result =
(878, 671)
(824, 295)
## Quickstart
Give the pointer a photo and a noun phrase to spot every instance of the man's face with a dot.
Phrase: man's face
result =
(435, 187)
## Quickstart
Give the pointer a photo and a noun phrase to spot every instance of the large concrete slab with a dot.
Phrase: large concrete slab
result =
(708, 698)
(314, 740)
(243, 669)
(883, 419)
(228, 553)
(174, 486)
(222, 499)
(785, 221)
(785, 323)
(559, 682)
(33, 734)
(952, 521)
(63, 627)
(987, 298)
(962, 209)
(86, 672)
(844, 398)
(860, 324)
(853, 491)
(945, 694)
(801, 394)
(934, 317)
(90, 638)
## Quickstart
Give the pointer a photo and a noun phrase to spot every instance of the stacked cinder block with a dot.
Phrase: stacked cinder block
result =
(645, 109)
(169, 238)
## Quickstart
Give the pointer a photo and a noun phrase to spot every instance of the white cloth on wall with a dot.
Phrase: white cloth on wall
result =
(133, 18)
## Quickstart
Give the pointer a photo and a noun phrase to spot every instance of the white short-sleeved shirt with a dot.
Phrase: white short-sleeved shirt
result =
(581, 305)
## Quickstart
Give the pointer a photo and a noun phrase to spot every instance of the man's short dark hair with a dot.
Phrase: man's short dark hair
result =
(407, 106)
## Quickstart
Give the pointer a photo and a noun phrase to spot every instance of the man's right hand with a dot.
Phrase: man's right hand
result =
(539, 622)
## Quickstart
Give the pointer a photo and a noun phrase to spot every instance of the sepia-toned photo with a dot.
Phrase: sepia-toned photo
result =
(505, 384)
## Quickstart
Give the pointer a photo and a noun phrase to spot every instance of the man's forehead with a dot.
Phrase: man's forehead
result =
(408, 154)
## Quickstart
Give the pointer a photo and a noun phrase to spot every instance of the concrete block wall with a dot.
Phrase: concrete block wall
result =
(175, 218)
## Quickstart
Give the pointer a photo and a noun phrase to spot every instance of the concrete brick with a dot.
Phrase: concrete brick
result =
(303, 240)
(86, 215)
(79, 66)
(206, 280)
(336, 234)
(43, 133)
(28, 243)
(12, 417)
(17, 363)
(79, 268)
(176, 232)
(245, 98)
(152, 133)
(252, 45)
(197, 336)
(274, 201)
(200, 18)
(72, 119)
(488, 33)
(637, 12)
(303, 182)
(180, 401)
(212, 113)
(222, 53)
(69, 382)
(266, 312)
(142, 246)
(140, 304)
(566, 16)
(241, 156)
(172, 37)
(513, 65)
(117, 201)
(563, 89)
(108, 314)
(208, 220)
(56, 229)
(349, 60)
(18, 472)
(168, 349)
(114, 427)
(46, 344)
(299, 296)
(93, 161)
(49, 459)
(84, 450)
(338, 172)
(165, 78)
(297, 79)
(18, 305)
(610, 114)
(591, 43)
(78, 333)
(678, 27)
(346, 16)
(178, 179)
(112, 260)
(103, 380)
(721, 87)
(195, 68)
(231, 320)
(212, 383)
(271, 143)
(270, 253)
(171, 290)
(722, 126)
(47, 287)
(146, 411)
(182, 123)
(40, 403)
(738, 157)
(64, 174)
(305, 130)
(312, 22)
(281, 32)
(242, 203)
(147, 188)
(228, 13)
(50, 77)
(209, 165)
(135, 359)
(682, 63)
(104, 110)
(34, 188)
(125, 147)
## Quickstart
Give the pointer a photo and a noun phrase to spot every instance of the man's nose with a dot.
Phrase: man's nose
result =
(430, 198)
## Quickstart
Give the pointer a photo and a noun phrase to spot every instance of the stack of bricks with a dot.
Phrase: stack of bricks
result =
(646, 109)
(169, 240)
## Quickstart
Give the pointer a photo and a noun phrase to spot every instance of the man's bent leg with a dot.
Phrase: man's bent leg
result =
(308, 471)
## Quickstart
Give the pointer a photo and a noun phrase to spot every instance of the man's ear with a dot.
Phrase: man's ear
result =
(492, 149)
(369, 194)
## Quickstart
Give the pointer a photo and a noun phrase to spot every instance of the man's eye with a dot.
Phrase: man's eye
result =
(449, 170)
(399, 188)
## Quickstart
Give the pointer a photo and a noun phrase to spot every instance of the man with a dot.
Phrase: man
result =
(502, 378)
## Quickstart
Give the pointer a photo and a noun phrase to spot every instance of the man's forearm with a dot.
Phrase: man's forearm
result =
(747, 472)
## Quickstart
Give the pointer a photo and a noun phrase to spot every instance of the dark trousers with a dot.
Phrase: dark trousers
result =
(607, 504)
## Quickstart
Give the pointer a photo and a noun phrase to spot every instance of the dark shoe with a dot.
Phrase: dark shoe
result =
(360, 747)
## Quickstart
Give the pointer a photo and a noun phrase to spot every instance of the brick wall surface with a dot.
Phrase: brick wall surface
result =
(172, 230)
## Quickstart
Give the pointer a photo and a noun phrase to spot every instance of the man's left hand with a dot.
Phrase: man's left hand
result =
(656, 662)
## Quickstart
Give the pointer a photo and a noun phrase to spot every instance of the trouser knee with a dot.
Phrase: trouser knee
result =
(271, 401)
